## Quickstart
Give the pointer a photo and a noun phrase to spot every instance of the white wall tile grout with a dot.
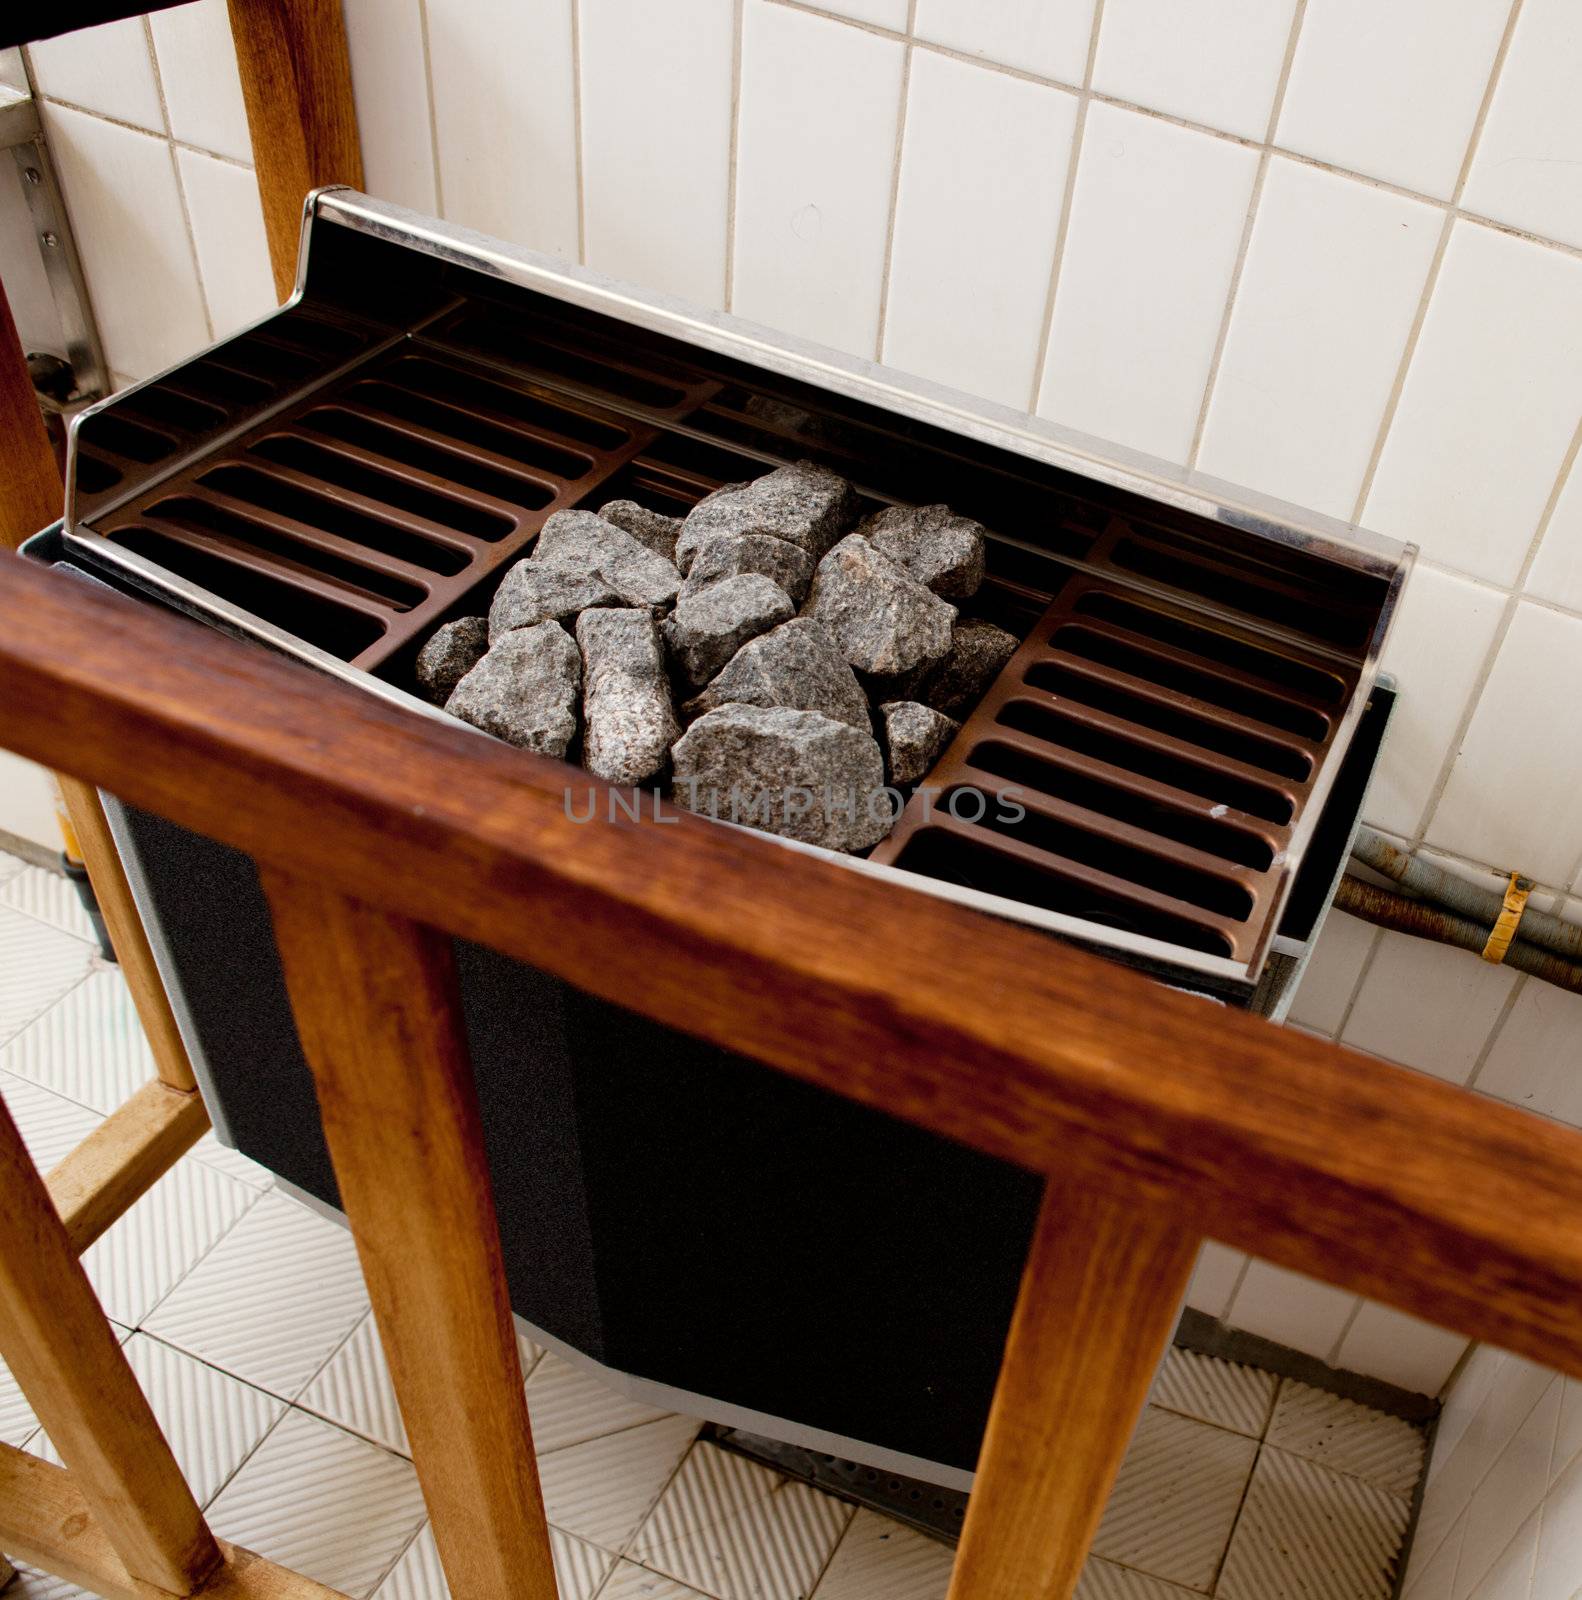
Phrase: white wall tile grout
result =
(1253, 204)
(731, 170)
(895, 182)
(1073, 162)
(1362, 978)
(428, 106)
(147, 133)
(577, 130)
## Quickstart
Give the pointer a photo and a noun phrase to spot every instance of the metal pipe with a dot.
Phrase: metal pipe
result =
(1451, 890)
(1386, 909)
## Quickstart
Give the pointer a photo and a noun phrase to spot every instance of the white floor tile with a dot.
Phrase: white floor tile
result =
(273, 1301)
(1103, 1580)
(1175, 1500)
(580, 1568)
(31, 1584)
(17, 1422)
(49, 896)
(603, 1489)
(632, 1582)
(10, 866)
(878, 1559)
(738, 1531)
(232, 1163)
(323, 1503)
(1210, 1390)
(150, 1249)
(1307, 1533)
(1347, 1437)
(354, 1389)
(37, 966)
(90, 1047)
(51, 1126)
(212, 1420)
(569, 1406)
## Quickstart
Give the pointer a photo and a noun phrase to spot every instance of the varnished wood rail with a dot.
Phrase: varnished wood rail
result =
(1156, 1118)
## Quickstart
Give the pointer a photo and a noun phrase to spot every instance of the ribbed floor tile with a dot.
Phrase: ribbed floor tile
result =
(878, 1559)
(738, 1531)
(90, 1048)
(212, 1420)
(315, 1499)
(1210, 1390)
(31, 1584)
(603, 1489)
(631, 1582)
(579, 1569)
(150, 1249)
(49, 896)
(1175, 1501)
(1348, 1437)
(569, 1406)
(1103, 1580)
(37, 966)
(1307, 1533)
(354, 1389)
(272, 1301)
(232, 1163)
(10, 865)
(51, 1126)
(17, 1422)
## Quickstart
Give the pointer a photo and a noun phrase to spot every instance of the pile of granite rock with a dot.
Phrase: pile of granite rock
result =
(767, 659)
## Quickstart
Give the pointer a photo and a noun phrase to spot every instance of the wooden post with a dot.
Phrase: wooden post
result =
(64, 1354)
(1099, 1300)
(379, 1012)
(297, 83)
(30, 490)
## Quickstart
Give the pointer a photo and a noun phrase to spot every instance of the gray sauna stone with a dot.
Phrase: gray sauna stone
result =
(707, 628)
(525, 690)
(628, 721)
(978, 650)
(794, 665)
(914, 737)
(939, 549)
(451, 653)
(807, 505)
(730, 555)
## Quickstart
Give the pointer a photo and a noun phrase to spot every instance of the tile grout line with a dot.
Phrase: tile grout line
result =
(577, 131)
(1362, 978)
(1430, 285)
(433, 109)
(1254, 203)
(737, 23)
(1333, 1358)
(181, 184)
(1496, 1028)
(148, 133)
(895, 183)
(1067, 200)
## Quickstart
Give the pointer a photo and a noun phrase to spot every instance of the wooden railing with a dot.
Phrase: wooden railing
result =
(1157, 1119)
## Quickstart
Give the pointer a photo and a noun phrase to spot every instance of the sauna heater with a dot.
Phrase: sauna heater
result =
(1194, 713)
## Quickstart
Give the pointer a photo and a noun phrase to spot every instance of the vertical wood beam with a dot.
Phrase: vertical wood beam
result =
(379, 1013)
(297, 85)
(114, 894)
(1099, 1300)
(30, 489)
(64, 1354)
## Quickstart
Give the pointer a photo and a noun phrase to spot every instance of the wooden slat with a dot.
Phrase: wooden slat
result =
(1386, 1181)
(124, 1157)
(125, 926)
(63, 1353)
(1099, 1300)
(379, 1012)
(30, 489)
(47, 1523)
(297, 85)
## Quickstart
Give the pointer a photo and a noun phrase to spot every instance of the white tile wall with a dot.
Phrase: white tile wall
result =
(1525, 168)
(1388, 1344)
(503, 120)
(1333, 973)
(1557, 569)
(1211, 61)
(1392, 89)
(390, 86)
(1136, 320)
(1438, 650)
(820, 105)
(656, 206)
(1526, 818)
(1489, 408)
(983, 180)
(1292, 1310)
(1333, 278)
(197, 68)
(1533, 1062)
(108, 69)
(1049, 38)
(228, 234)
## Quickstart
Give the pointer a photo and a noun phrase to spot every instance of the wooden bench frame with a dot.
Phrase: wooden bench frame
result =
(1157, 1120)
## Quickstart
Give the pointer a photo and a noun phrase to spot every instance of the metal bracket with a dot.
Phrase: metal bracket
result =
(22, 134)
